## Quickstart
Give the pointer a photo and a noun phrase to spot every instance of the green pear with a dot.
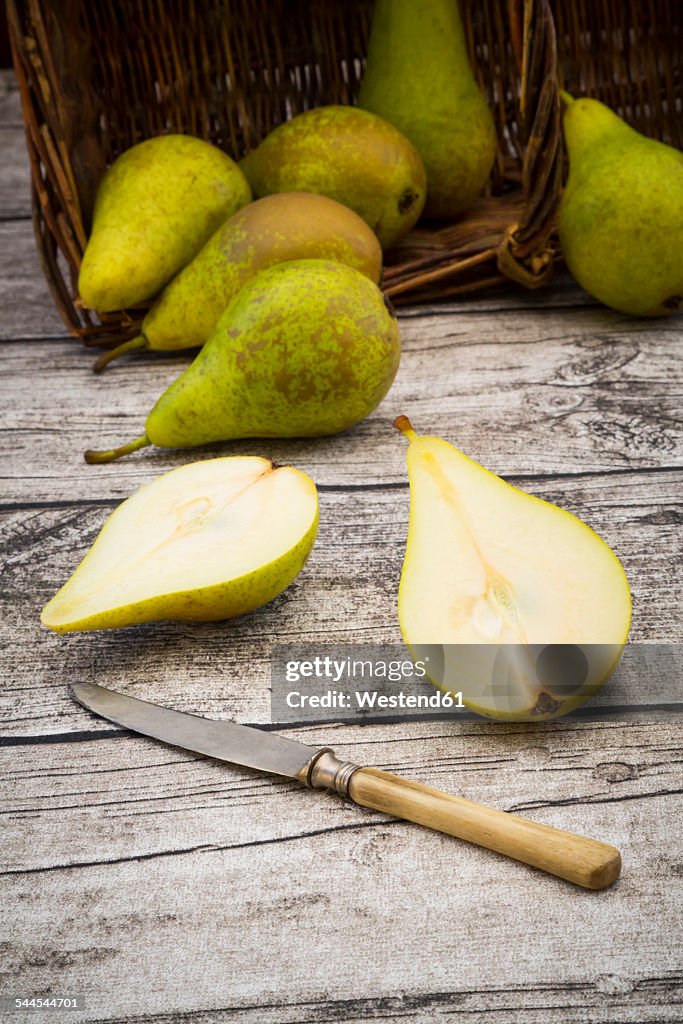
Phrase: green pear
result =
(288, 226)
(210, 540)
(155, 208)
(349, 155)
(418, 77)
(621, 215)
(305, 348)
(509, 600)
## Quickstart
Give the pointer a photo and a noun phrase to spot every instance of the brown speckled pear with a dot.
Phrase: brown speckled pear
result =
(210, 540)
(287, 226)
(306, 348)
(155, 208)
(350, 155)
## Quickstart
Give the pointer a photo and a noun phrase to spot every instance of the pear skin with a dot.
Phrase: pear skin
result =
(155, 208)
(418, 77)
(285, 226)
(208, 541)
(306, 348)
(621, 215)
(350, 155)
(516, 603)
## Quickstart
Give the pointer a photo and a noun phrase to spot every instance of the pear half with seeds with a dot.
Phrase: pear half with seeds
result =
(208, 541)
(509, 600)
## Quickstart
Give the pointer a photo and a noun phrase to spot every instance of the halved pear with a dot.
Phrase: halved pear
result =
(512, 601)
(210, 540)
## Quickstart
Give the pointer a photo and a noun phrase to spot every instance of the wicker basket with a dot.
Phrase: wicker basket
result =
(97, 77)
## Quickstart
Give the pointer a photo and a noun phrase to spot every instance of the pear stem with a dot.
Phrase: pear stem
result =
(114, 353)
(566, 97)
(96, 458)
(403, 424)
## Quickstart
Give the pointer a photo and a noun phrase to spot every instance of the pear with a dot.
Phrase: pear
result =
(418, 77)
(210, 540)
(508, 599)
(306, 348)
(349, 155)
(288, 226)
(155, 207)
(621, 215)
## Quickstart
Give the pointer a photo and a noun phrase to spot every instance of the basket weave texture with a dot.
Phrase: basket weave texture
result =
(95, 78)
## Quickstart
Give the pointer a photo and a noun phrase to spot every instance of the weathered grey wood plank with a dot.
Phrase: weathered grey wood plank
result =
(27, 307)
(168, 887)
(347, 592)
(525, 768)
(15, 178)
(525, 393)
(199, 864)
(10, 104)
(652, 1000)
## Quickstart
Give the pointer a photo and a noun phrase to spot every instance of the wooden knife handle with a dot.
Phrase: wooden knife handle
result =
(583, 861)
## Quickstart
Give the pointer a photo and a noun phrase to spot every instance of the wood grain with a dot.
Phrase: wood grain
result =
(525, 394)
(27, 306)
(578, 859)
(198, 863)
(169, 887)
(347, 592)
(570, 768)
(15, 178)
(10, 105)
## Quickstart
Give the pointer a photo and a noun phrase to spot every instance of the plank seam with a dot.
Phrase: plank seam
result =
(391, 485)
(586, 713)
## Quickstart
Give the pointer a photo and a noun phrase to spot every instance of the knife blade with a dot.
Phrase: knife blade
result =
(578, 859)
(224, 740)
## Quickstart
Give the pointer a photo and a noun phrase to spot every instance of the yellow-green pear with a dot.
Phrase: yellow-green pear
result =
(350, 155)
(306, 348)
(418, 77)
(509, 600)
(155, 208)
(621, 215)
(286, 226)
(210, 540)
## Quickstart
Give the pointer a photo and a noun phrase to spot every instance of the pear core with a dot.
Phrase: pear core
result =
(210, 540)
(497, 583)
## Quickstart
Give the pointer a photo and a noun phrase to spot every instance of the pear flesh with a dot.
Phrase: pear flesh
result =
(350, 155)
(621, 214)
(514, 602)
(306, 348)
(418, 77)
(281, 227)
(155, 208)
(211, 540)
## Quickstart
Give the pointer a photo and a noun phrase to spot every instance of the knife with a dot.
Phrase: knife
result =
(580, 860)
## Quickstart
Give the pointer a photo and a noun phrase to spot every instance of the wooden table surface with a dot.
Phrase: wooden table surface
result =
(165, 886)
